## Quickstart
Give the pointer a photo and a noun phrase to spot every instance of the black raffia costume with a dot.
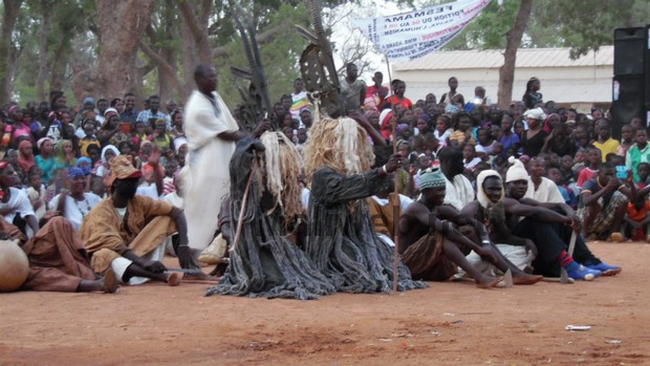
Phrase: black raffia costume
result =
(264, 263)
(341, 240)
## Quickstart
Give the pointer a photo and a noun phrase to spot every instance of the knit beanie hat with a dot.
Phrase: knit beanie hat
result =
(517, 171)
(431, 178)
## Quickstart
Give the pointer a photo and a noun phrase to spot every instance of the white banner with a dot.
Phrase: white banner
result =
(408, 36)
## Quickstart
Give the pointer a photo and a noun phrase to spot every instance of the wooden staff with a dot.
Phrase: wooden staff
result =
(396, 192)
(240, 221)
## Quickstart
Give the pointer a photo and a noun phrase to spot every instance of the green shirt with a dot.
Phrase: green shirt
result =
(635, 156)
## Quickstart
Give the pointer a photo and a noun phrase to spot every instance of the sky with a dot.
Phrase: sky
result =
(344, 29)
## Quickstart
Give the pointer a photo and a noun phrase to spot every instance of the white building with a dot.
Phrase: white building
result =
(578, 82)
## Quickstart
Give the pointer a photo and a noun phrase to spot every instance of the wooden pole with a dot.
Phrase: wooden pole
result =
(244, 200)
(395, 192)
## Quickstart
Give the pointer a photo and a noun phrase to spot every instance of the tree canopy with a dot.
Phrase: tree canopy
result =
(85, 47)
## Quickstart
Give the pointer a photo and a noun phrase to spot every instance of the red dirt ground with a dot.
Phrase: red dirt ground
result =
(446, 324)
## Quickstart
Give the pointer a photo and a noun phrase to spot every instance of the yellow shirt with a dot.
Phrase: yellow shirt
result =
(609, 146)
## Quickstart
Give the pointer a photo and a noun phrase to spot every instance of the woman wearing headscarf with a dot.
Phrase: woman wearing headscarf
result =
(108, 152)
(74, 203)
(533, 139)
(46, 159)
(26, 155)
(65, 157)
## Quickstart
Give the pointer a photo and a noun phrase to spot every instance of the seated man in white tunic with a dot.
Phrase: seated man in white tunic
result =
(459, 189)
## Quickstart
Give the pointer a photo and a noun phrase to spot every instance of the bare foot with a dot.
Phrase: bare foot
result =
(487, 281)
(526, 279)
(174, 279)
(111, 282)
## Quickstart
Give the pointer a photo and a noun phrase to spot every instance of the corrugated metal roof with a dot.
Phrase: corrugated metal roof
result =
(526, 57)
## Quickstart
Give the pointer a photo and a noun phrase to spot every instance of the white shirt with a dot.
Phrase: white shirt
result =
(546, 192)
(19, 203)
(149, 191)
(460, 192)
(75, 211)
(404, 201)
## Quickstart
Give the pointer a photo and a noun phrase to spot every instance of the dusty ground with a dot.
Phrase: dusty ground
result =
(447, 324)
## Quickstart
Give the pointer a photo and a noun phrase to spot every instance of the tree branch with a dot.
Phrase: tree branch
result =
(169, 71)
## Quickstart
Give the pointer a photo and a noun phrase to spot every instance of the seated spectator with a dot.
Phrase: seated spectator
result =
(46, 159)
(541, 188)
(539, 222)
(569, 197)
(132, 244)
(153, 113)
(636, 224)
(15, 206)
(64, 157)
(381, 209)
(178, 129)
(486, 141)
(423, 125)
(463, 131)
(590, 171)
(559, 142)
(639, 153)
(75, 203)
(566, 168)
(603, 205)
(469, 157)
(627, 140)
(643, 171)
(36, 193)
(429, 246)
(88, 137)
(605, 143)
(26, 158)
(443, 129)
(57, 260)
(108, 152)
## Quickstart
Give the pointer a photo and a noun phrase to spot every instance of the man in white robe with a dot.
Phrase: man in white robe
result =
(459, 189)
(211, 133)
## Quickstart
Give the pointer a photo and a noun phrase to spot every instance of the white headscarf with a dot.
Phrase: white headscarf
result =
(109, 147)
(481, 197)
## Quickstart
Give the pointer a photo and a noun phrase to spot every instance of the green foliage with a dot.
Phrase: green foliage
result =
(279, 57)
(585, 25)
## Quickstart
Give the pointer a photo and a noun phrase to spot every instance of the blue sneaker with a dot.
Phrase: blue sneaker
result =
(583, 273)
(605, 269)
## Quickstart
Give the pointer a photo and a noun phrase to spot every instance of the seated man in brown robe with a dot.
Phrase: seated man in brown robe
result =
(126, 231)
(57, 259)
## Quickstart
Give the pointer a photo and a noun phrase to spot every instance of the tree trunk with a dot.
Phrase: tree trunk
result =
(42, 50)
(59, 62)
(9, 18)
(513, 37)
(188, 61)
(121, 26)
(198, 30)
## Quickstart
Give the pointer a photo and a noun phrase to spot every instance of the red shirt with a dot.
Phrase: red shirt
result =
(406, 102)
(374, 94)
